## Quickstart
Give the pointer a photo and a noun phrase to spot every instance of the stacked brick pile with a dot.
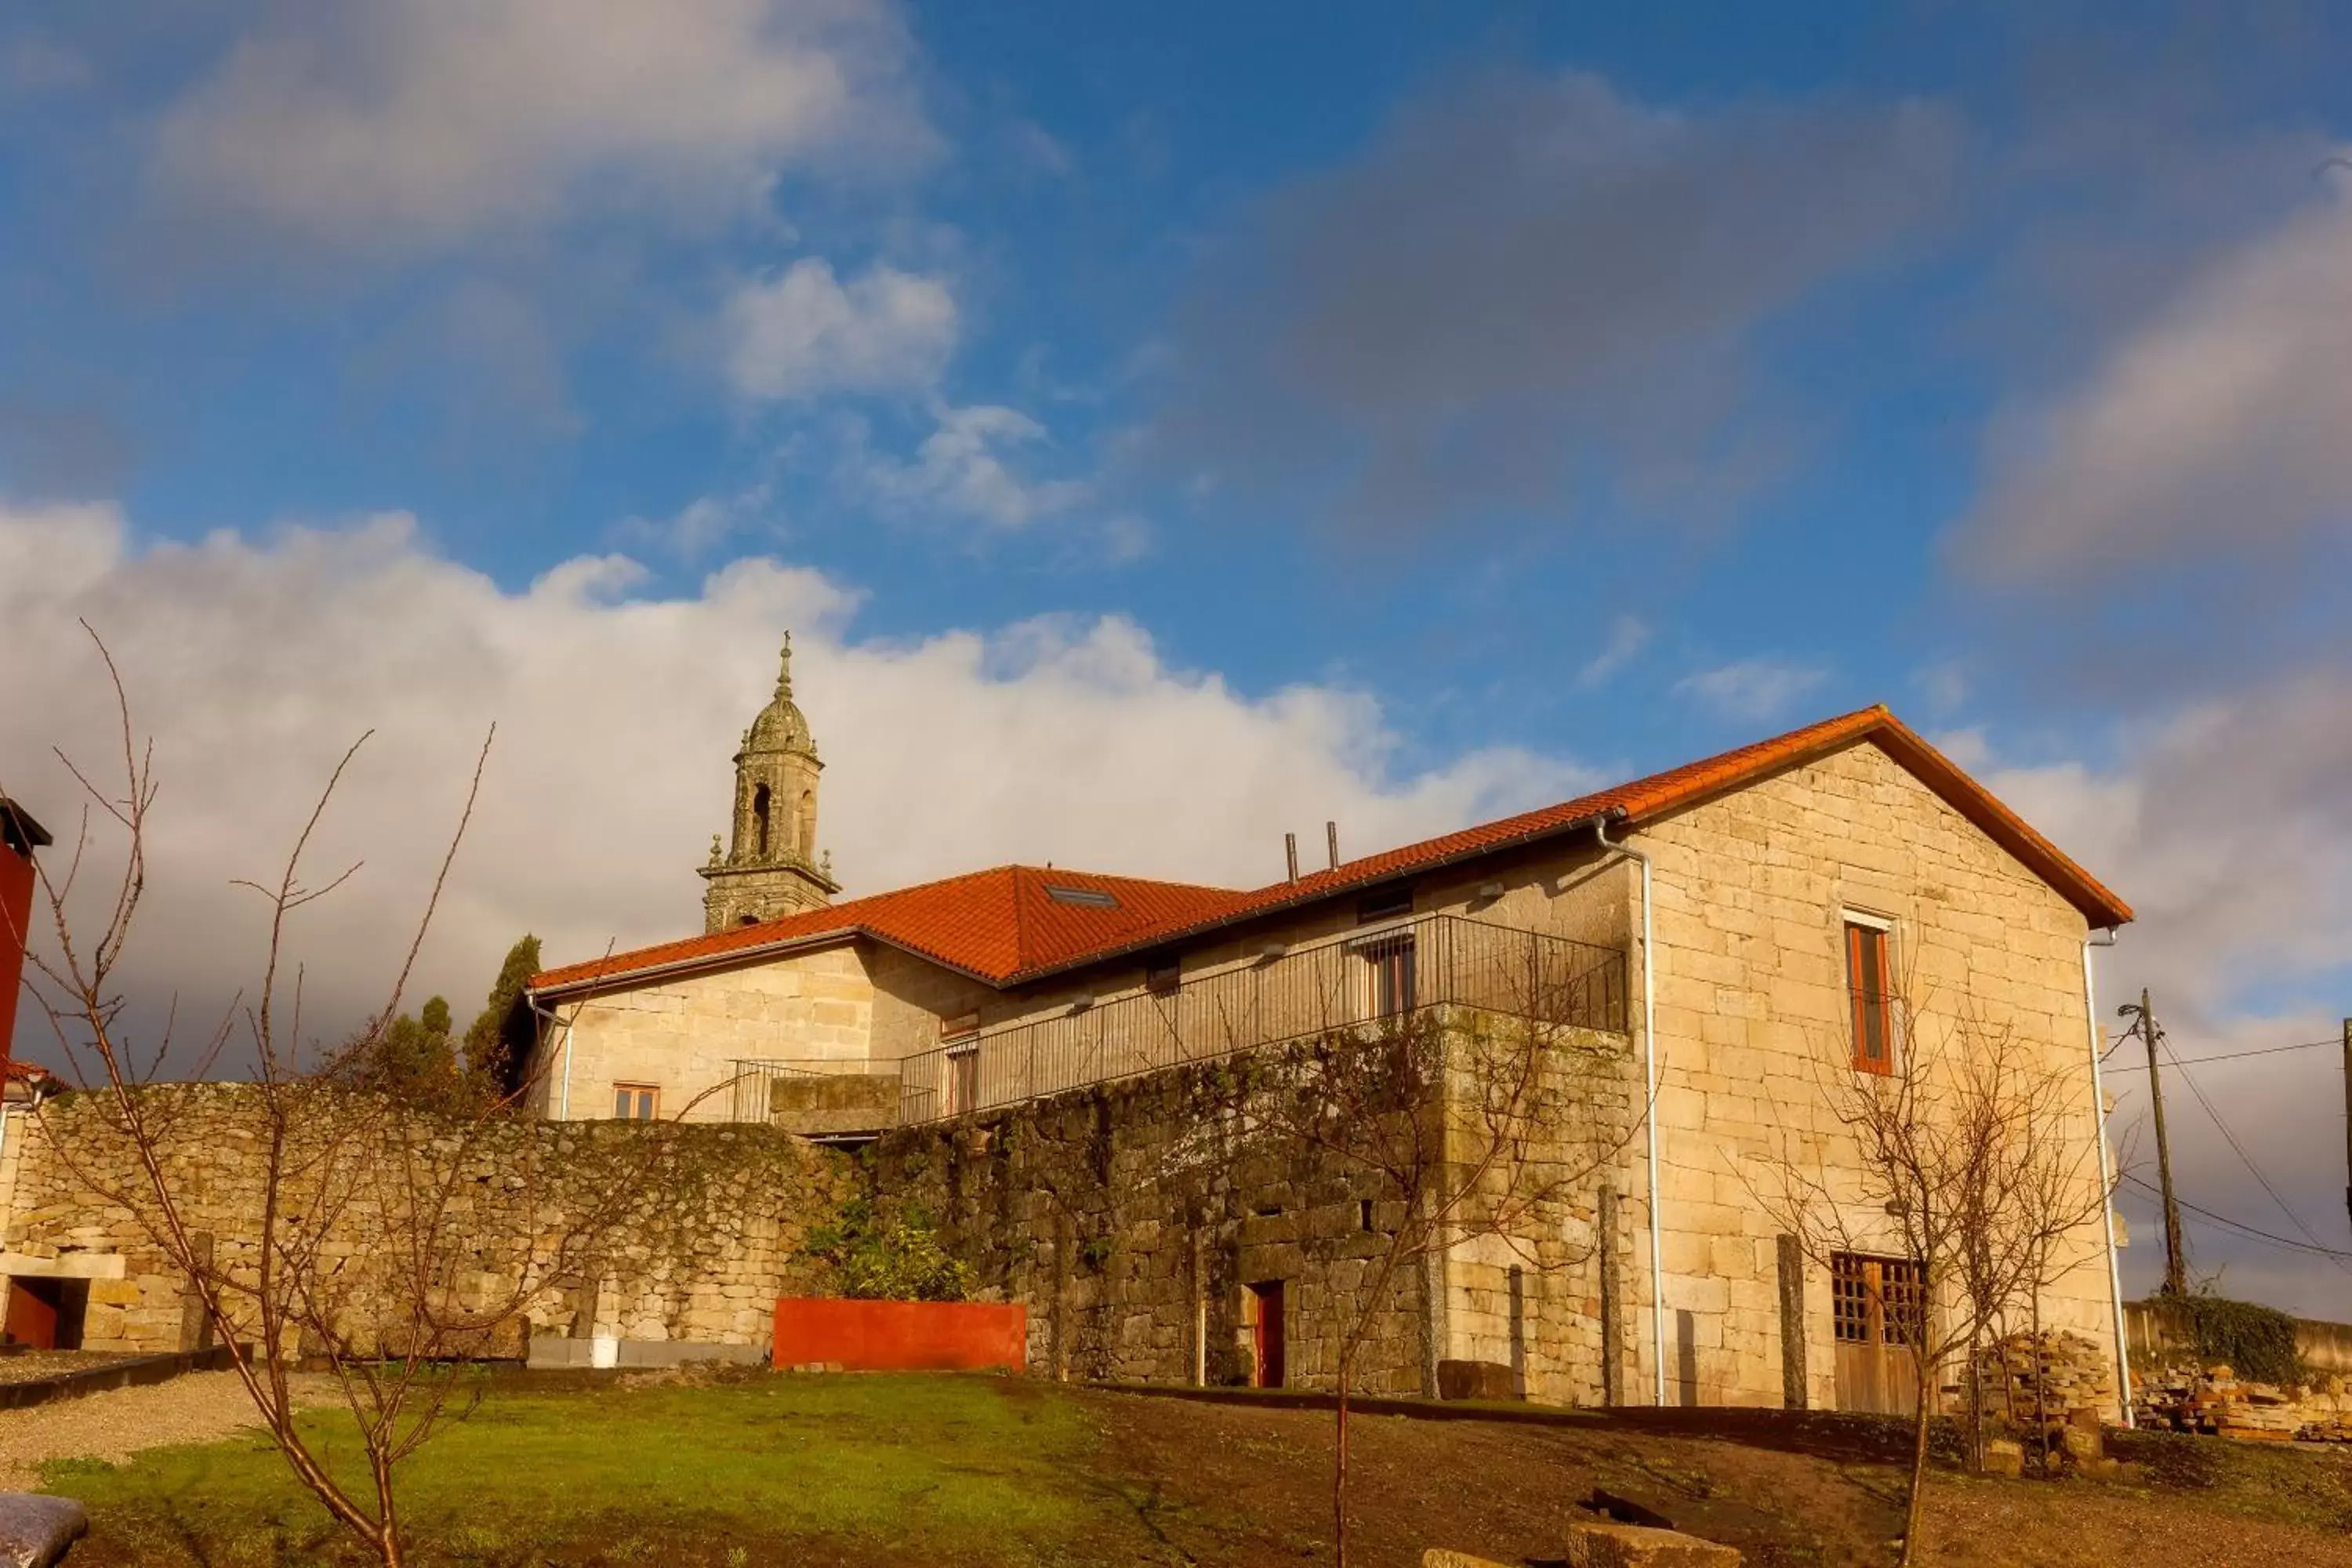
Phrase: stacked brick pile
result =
(2075, 1388)
(2327, 1413)
(2214, 1400)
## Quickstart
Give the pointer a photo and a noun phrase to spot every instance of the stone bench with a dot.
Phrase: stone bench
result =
(1606, 1544)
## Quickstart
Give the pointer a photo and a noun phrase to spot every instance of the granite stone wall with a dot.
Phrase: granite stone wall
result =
(1142, 1222)
(1754, 1022)
(658, 1232)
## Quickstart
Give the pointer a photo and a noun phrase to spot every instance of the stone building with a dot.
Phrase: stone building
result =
(1728, 931)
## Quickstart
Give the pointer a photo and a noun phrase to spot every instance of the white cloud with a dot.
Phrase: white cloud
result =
(803, 332)
(1755, 690)
(255, 660)
(1944, 685)
(961, 469)
(1628, 634)
(2217, 423)
(697, 529)
(2228, 829)
(417, 123)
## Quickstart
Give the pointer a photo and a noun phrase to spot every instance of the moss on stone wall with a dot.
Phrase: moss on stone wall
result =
(1130, 1216)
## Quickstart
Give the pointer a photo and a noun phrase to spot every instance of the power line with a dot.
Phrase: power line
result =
(2231, 1056)
(2240, 1226)
(2248, 1160)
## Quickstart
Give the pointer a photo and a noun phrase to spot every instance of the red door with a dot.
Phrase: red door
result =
(1266, 1340)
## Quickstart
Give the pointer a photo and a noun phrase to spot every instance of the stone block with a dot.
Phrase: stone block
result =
(2004, 1456)
(1476, 1379)
(1606, 1544)
(1439, 1557)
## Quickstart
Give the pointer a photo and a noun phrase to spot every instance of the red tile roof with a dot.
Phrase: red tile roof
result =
(995, 925)
(1002, 925)
(1659, 794)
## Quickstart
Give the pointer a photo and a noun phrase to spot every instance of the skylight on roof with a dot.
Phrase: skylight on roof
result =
(1092, 897)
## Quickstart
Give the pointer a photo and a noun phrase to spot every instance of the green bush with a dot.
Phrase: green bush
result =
(891, 1255)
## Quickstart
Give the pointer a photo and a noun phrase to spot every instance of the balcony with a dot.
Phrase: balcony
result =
(1290, 993)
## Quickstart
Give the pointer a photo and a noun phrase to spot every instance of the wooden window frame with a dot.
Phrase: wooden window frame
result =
(1869, 944)
(645, 1101)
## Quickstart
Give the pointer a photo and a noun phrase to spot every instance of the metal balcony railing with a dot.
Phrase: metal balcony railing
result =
(1291, 994)
(751, 1083)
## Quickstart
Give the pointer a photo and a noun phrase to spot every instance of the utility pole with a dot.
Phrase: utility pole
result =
(2347, 1113)
(2176, 1272)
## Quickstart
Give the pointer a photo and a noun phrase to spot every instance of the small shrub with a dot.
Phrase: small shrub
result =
(890, 1255)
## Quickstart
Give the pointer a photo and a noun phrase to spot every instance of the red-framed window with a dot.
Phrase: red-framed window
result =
(1869, 984)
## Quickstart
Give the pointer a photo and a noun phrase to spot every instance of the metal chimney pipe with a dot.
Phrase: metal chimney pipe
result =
(1290, 853)
(1331, 835)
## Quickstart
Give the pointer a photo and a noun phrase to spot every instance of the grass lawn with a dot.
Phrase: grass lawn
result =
(854, 1472)
(846, 1469)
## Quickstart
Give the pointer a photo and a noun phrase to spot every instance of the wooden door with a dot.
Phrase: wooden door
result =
(1393, 989)
(1874, 1302)
(1265, 1335)
(963, 1078)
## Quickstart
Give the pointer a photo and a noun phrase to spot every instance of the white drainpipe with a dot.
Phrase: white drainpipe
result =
(564, 1090)
(1649, 1121)
(2106, 1177)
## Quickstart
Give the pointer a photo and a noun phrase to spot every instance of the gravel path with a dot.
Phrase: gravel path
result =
(194, 1407)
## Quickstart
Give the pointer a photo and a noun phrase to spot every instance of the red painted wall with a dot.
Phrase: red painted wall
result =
(901, 1336)
(16, 918)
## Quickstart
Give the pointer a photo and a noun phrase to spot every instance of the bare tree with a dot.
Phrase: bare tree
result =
(363, 1257)
(1452, 1125)
(1966, 1160)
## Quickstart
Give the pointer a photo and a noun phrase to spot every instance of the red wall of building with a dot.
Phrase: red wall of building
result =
(900, 1336)
(15, 921)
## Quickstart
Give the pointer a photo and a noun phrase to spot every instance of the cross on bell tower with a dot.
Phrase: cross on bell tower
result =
(770, 868)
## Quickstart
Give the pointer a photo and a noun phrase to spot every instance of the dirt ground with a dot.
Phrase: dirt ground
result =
(1234, 1485)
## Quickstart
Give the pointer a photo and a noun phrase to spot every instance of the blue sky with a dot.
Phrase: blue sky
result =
(1442, 405)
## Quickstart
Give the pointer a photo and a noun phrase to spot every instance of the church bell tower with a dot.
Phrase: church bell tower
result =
(771, 867)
